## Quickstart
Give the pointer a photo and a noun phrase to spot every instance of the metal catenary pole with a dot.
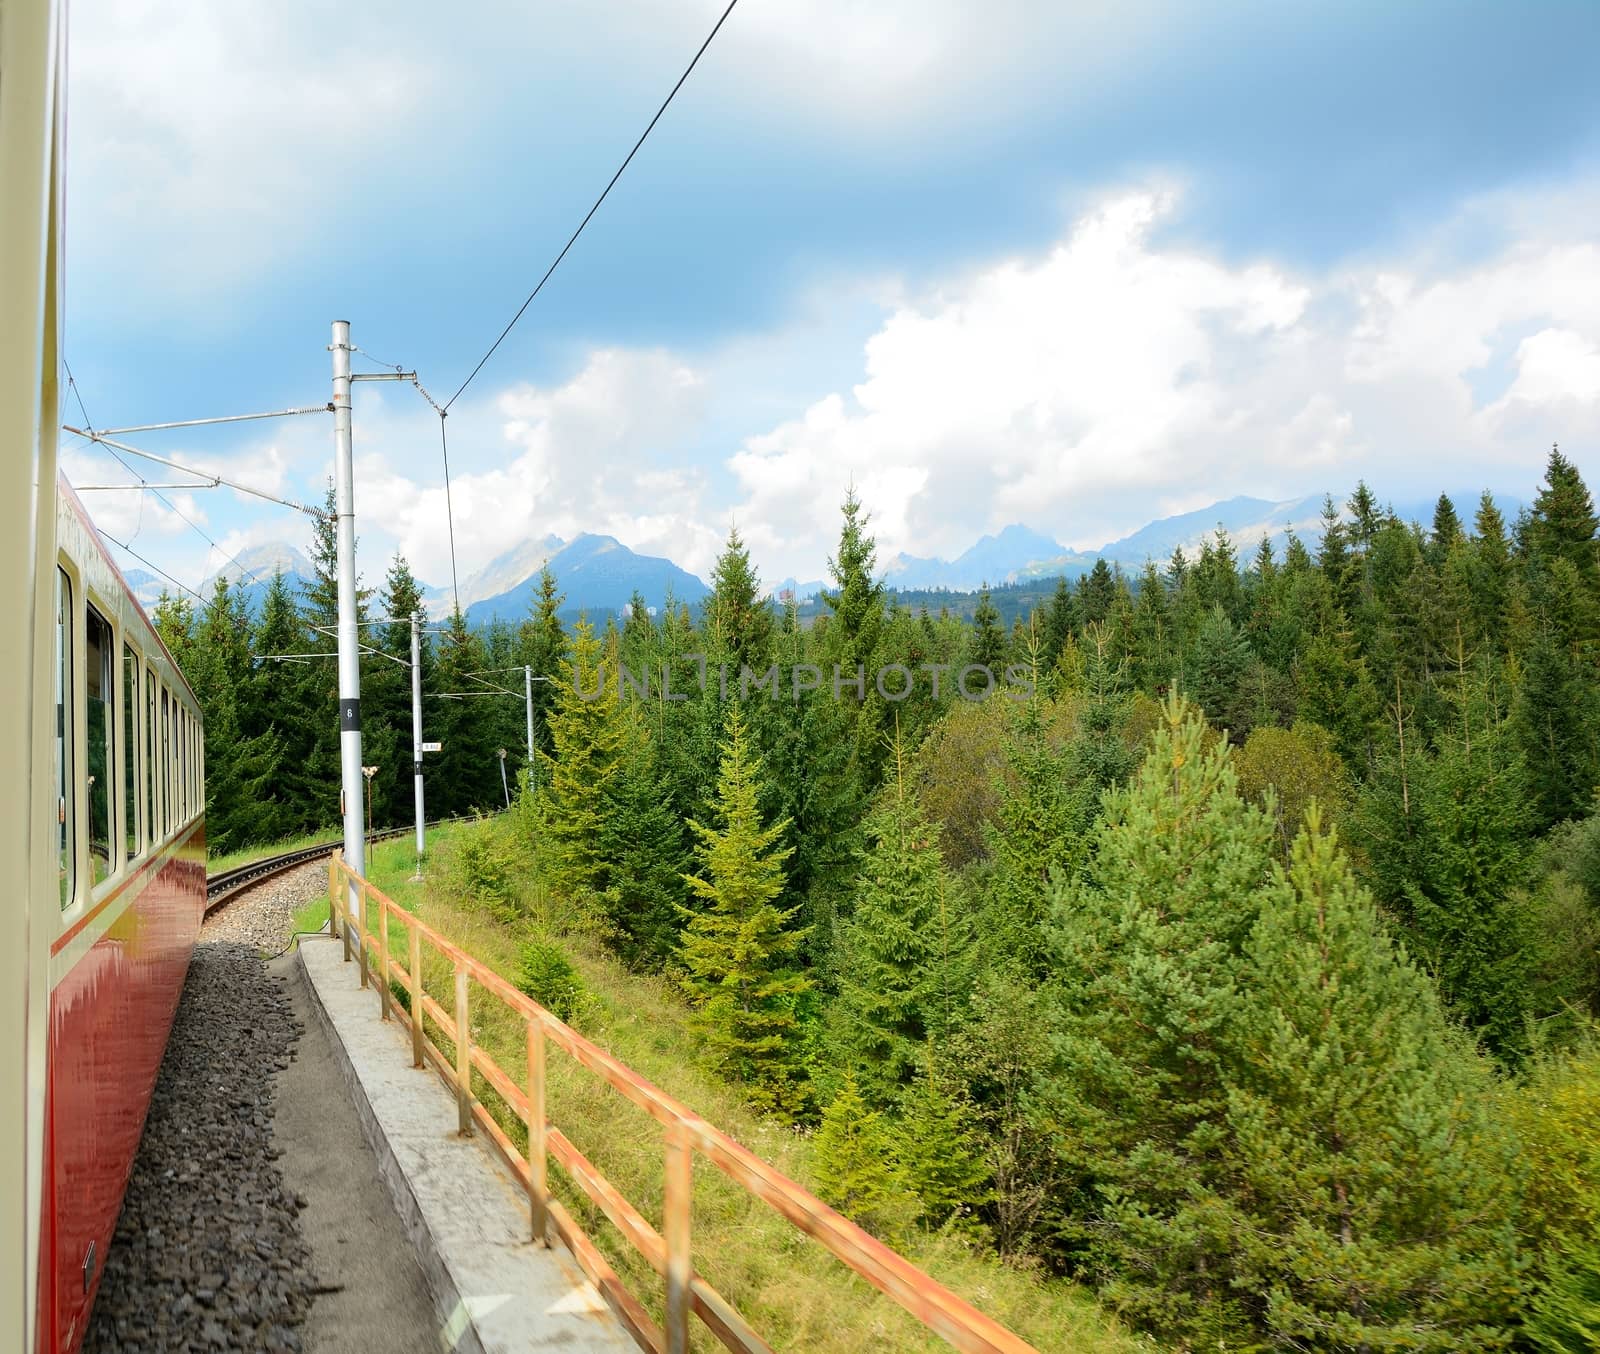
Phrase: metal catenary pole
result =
(416, 729)
(527, 684)
(349, 642)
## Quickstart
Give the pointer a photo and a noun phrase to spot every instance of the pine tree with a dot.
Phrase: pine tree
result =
(1447, 834)
(1446, 532)
(1061, 622)
(855, 1165)
(937, 1146)
(645, 853)
(1489, 574)
(1215, 671)
(737, 945)
(1563, 522)
(1278, 1136)
(1147, 948)
(1096, 592)
(1366, 1189)
(576, 777)
(903, 977)
(857, 603)
(541, 644)
(738, 618)
(988, 646)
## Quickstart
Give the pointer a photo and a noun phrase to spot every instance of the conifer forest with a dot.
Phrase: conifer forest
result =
(1238, 956)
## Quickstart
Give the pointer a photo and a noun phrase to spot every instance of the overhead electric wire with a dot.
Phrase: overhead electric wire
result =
(592, 210)
(144, 485)
(122, 545)
(449, 507)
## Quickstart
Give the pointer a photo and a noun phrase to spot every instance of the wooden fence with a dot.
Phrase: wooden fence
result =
(684, 1137)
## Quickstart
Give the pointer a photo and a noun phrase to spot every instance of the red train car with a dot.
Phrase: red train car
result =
(129, 774)
(102, 830)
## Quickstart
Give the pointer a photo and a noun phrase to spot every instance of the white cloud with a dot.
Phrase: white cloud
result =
(587, 455)
(219, 137)
(1116, 379)
(1556, 364)
(1108, 380)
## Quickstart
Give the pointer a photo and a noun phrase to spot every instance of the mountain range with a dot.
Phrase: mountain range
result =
(598, 575)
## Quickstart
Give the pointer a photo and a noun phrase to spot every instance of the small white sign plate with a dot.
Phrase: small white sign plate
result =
(433, 747)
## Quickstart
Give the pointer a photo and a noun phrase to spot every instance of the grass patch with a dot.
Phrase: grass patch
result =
(245, 855)
(793, 1292)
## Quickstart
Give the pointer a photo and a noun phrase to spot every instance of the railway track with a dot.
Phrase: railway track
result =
(225, 885)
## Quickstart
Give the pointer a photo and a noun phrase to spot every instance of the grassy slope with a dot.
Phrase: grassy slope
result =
(793, 1292)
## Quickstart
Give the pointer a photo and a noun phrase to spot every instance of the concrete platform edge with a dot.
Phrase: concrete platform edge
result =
(442, 1289)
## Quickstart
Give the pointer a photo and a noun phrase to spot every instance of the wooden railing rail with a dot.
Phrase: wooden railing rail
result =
(684, 1136)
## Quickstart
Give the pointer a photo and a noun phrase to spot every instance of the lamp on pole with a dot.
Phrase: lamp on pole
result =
(369, 772)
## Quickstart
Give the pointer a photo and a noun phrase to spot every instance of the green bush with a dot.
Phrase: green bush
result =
(481, 873)
(1566, 1316)
(545, 975)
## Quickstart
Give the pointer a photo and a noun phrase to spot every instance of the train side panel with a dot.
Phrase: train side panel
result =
(132, 863)
(110, 1013)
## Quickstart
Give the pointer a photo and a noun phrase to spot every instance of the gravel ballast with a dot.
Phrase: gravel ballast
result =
(208, 1252)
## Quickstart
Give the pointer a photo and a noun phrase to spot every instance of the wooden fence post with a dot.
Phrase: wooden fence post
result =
(383, 956)
(676, 1210)
(363, 932)
(341, 906)
(416, 995)
(538, 1181)
(463, 1052)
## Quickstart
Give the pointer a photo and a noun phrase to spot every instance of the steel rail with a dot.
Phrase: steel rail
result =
(225, 885)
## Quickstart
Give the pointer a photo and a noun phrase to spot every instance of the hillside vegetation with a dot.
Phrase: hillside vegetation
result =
(1238, 955)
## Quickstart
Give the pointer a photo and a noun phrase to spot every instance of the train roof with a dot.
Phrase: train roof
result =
(69, 495)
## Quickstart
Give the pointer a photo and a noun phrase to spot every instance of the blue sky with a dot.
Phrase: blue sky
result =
(1078, 265)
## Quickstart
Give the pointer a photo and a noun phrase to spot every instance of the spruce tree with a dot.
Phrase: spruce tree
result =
(738, 617)
(1489, 574)
(903, 976)
(856, 603)
(855, 1165)
(275, 699)
(645, 853)
(1277, 1135)
(988, 644)
(1366, 1187)
(1096, 592)
(1061, 622)
(737, 945)
(1215, 671)
(937, 1146)
(1147, 947)
(1563, 522)
(577, 775)
(1446, 531)
(1447, 834)
(541, 644)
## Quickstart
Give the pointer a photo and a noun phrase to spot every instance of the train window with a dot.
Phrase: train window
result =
(180, 809)
(130, 753)
(64, 795)
(152, 809)
(166, 771)
(101, 729)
